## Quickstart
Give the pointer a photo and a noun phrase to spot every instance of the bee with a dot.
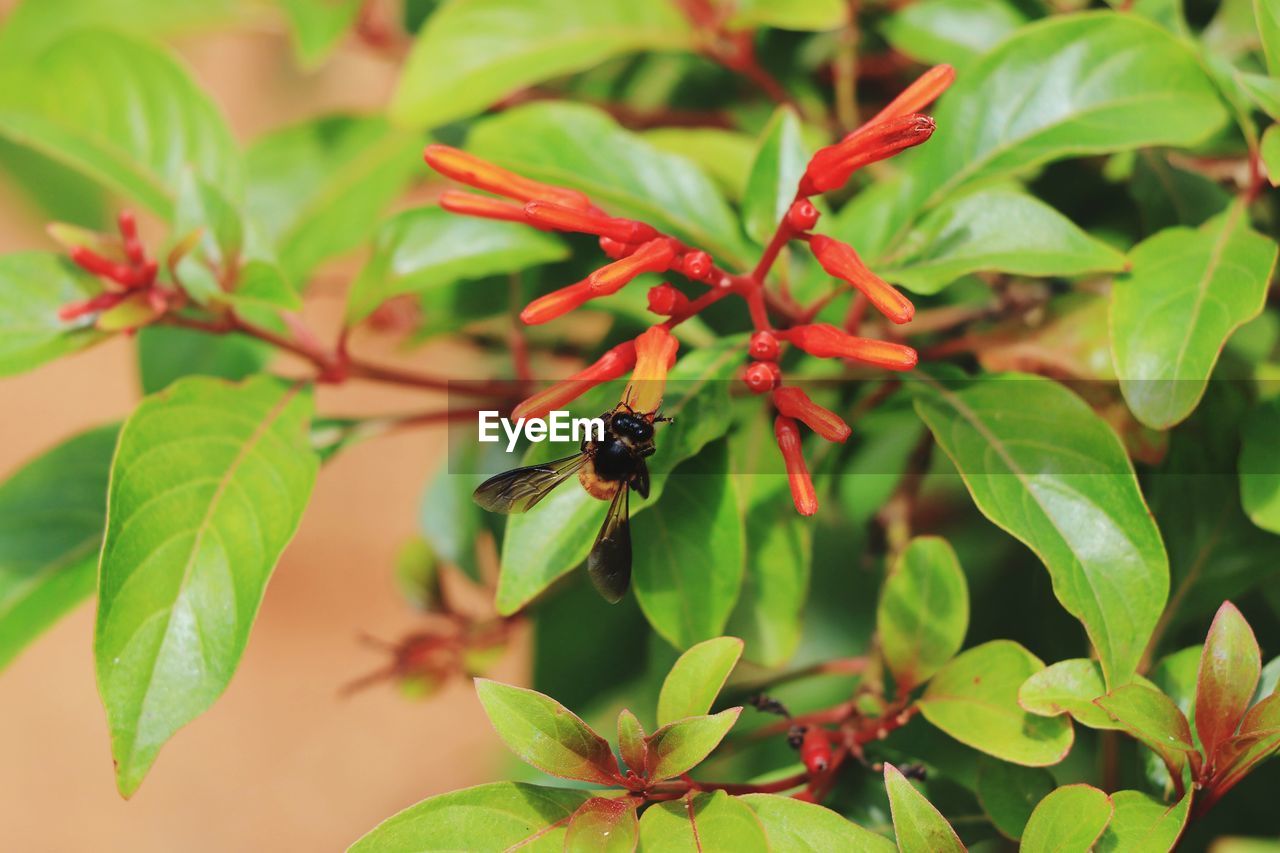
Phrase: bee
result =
(608, 470)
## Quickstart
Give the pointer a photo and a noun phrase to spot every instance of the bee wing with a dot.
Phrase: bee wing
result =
(609, 563)
(520, 489)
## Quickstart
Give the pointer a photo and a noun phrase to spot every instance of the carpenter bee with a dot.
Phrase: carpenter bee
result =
(608, 470)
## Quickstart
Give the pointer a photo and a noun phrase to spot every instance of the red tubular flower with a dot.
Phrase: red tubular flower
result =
(802, 215)
(128, 225)
(665, 300)
(101, 302)
(826, 341)
(608, 367)
(653, 256)
(655, 354)
(840, 260)
(762, 377)
(832, 166)
(556, 303)
(787, 434)
(795, 403)
(483, 175)
(563, 218)
(469, 204)
(924, 91)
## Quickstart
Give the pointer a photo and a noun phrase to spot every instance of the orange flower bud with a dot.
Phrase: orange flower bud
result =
(483, 175)
(840, 260)
(832, 166)
(608, 367)
(826, 341)
(556, 303)
(795, 403)
(469, 204)
(920, 94)
(563, 218)
(653, 256)
(787, 434)
(655, 354)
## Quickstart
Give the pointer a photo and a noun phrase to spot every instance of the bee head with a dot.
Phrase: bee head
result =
(631, 426)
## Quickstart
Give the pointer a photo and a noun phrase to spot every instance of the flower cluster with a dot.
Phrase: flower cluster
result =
(635, 248)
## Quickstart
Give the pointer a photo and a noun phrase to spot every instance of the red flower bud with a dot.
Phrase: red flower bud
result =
(763, 346)
(563, 218)
(101, 302)
(469, 204)
(795, 403)
(815, 750)
(760, 377)
(608, 367)
(653, 256)
(123, 274)
(802, 215)
(826, 341)
(696, 265)
(787, 434)
(614, 249)
(832, 166)
(128, 225)
(840, 260)
(924, 91)
(665, 300)
(483, 175)
(556, 303)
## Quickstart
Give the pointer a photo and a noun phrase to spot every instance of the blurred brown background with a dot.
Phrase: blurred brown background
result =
(279, 763)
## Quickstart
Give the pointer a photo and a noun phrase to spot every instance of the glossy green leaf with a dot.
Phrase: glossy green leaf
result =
(1153, 719)
(124, 113)
(546, 734)
(578, 146)
(1070, 820)
(169, 353)
(725, 155)
(923, 612)
(780, 161)
(33, 286)
(261, 284)
(1068, 687)
(427, 248)
(690, 551)
(1268, 21)
(472, 53)
(632, 741)
(975, 700)
(52, 513)
(919, 827)
(1009, 793)
(799, 827)
(497, 816)
(551, 540)
(1260, 466)
(1229, 670)
(694, 682)
(1270, 153)
(714, 821)
(1040, 464)
(208, 486)
(951, 31)
(1143, 824)
(602, 825)
(317, 189)
(1167, 195)
(1170, 317)
(995, 230)
(318, 25)
(802, 15)
(680, 746)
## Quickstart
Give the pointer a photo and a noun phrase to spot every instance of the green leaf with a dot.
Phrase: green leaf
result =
(318, 25)
(996, 230)
(208, 486)
(1170, 317)
(923, 612)
(975, 700)
(33, 286)
(547, 543)
(780, 161)
(169, 353)
(919, 826)
(1143, 824)
(1168, 196)
(1260, 466)
(1042, 466)
(1068, 687)
(124, 113)
(261, 285)
(802, 15)
(497, 816)
(1268, 18)
(52, 512)
(694, 682)
(1270, 152)
(578, 146)
(725, 155)
(690, 551)
(602, 825)
(1153, 719)
(546, 734)
(714, 821)
(318, 188)
(1071, 818)
(799, 827)
(950, 31)
(1009, 793)
(427, 248)
(680, 746)
(472, 53)
(1229, 670)
(632, 742)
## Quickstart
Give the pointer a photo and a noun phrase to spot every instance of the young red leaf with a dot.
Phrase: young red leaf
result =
(547, 735)
(1151, 717)
(1259, 738)
(632, 742)
(680, 746)
(603, 825)
(1229, 671)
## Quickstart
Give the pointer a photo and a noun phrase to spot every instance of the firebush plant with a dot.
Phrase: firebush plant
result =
(939, 296)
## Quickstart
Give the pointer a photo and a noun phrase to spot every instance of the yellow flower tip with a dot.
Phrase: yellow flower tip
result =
(655, 354)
